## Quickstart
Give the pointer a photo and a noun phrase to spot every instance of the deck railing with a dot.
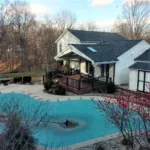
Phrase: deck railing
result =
(81, 83)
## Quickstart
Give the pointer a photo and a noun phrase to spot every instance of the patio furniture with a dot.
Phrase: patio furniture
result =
(5, 81)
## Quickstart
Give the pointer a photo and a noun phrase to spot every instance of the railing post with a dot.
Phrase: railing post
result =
(92, 83)
(67, 81)
(79, 84)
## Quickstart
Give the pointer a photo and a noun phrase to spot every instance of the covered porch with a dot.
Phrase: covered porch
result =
(85, 75)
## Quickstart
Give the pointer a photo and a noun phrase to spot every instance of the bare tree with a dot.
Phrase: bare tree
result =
(5, 20)
(89, 26)
(21, 122)
(65, 19)
(134, 20)
(23, 22)
(36, 49)
(130, 114)
(49, 33)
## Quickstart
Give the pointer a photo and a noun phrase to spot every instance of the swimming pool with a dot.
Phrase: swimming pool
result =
(92, 122)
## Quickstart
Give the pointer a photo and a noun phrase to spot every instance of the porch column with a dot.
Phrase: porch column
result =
(114, 70)
(92, 77)
(80, 67)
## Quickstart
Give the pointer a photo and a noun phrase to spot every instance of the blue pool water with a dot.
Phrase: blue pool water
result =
(92, 122)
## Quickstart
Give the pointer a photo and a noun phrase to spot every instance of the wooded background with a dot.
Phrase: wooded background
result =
(26, 44)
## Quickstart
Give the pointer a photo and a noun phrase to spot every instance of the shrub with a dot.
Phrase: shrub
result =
(24, 79)
(17, 135)
(27, 79)
(102, 89)
(111, 87)
(17, 79)
(49, 74)
(48, 84)
(62, 91)
(127, 142)
(100, 148)
(58, 90)
(61, 72)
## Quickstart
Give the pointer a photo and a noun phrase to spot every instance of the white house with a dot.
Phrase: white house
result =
(107, 54)
(139, 76)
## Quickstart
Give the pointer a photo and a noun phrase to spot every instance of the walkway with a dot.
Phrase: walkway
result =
(36, 91)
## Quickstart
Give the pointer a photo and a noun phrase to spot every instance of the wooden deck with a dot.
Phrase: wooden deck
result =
(81, 84)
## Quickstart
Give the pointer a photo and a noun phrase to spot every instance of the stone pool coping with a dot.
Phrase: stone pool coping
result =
(86, 143)
(91, 142)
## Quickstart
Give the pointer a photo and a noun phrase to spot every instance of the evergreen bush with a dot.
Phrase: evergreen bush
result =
(17, 79)
(48, 84)
(58, 90)
(111, 87)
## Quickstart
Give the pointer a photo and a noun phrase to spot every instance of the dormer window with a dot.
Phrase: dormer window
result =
(60, 47)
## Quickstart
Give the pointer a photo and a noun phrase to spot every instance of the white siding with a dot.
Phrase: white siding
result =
(83, 67)
(133, 77)
(65, 40)
(126, 60)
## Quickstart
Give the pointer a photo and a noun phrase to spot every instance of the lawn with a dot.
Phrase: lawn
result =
(35, 75)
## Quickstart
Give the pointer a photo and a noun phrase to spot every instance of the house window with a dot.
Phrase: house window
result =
(60, 47)
(143, 81)
(102, 70)
(87, 67)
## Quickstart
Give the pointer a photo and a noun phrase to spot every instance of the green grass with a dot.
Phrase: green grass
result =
(35, 75)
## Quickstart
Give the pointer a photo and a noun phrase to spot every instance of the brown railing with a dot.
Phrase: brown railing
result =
(81, 83)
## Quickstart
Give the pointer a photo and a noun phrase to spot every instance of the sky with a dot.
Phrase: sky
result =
(103, 12)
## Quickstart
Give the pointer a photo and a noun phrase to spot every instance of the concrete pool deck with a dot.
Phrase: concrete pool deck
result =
(36, 91)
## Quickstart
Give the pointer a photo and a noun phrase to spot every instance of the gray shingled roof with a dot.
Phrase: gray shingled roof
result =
(96, 36)
(140, 66)
(107, 52)
(145, 56)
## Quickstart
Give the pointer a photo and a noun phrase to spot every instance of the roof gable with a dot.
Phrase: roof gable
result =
(63, 34)
(141, 66)
(144, 57)
(106, 52)
(95, 36)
